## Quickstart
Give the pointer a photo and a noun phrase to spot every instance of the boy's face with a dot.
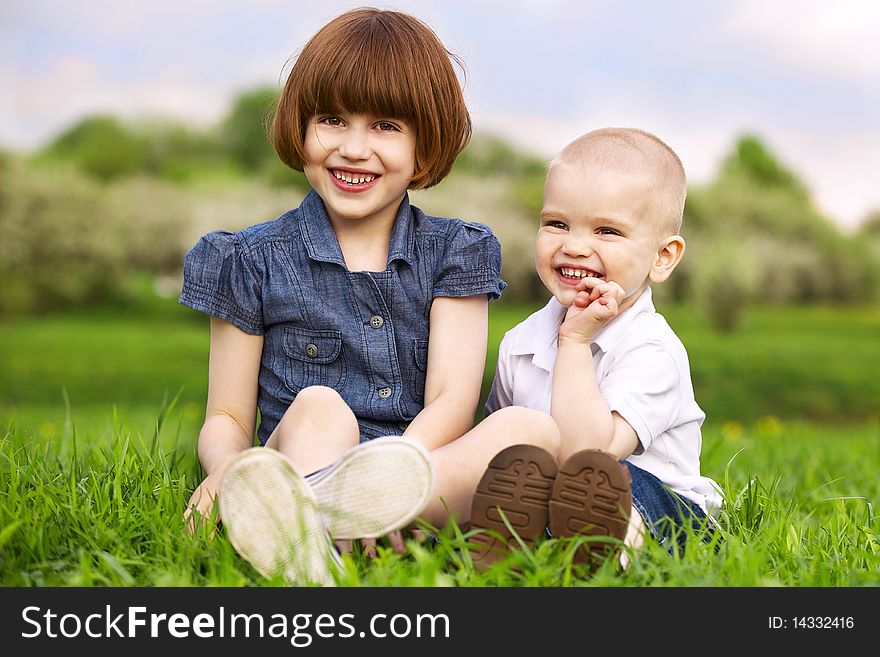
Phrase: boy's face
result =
(599, 221)
(360, 165)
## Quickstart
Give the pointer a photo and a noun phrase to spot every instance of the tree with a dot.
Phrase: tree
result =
(243, 133)
(101, 146)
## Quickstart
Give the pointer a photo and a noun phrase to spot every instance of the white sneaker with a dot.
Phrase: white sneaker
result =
(375, 488)
(272, 519)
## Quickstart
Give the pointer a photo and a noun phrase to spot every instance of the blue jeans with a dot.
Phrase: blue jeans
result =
(665, 513)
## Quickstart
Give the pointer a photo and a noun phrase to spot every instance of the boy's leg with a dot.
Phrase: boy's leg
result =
(666, 517)
(635, 536)
(459, 465)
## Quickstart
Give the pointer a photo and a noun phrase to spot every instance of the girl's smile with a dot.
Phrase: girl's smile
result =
(360, 165)
(354, 180)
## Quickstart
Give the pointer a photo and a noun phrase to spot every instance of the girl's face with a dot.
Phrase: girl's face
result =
(360, 165)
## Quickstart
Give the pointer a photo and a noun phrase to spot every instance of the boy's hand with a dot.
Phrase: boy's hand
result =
(597, 302)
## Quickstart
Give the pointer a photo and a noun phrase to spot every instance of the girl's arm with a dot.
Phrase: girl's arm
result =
(231, 411)
(459, 330)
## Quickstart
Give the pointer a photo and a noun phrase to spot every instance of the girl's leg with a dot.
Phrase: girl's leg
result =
(459, 465)
(316, 430)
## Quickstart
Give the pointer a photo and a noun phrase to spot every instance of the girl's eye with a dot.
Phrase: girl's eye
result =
(331, 120)
(386, 126)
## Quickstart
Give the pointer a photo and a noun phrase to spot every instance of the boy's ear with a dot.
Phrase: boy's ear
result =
(668, 256)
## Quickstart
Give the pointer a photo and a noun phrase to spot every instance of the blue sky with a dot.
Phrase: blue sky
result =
(804, 75)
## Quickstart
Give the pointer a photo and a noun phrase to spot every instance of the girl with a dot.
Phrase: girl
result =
(321, 318)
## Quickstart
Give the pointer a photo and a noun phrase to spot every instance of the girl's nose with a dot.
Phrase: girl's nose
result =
(354, 144)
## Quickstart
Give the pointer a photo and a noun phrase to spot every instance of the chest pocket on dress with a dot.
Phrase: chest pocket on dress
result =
(420, 357)
(313, 358)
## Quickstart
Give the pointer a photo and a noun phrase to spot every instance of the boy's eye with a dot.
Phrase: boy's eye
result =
(607, 231)
(556, 224)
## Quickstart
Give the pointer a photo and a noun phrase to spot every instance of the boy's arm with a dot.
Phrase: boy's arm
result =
(583, 417)
(230, 414)
(456, 360)
(585, 421)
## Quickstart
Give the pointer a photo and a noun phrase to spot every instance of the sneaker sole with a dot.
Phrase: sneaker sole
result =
(272, 519)
(517, 484)
(375, 488)
(592, 496)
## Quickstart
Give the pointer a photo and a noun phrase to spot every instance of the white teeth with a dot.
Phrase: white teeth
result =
(578, 273)
(357, 179)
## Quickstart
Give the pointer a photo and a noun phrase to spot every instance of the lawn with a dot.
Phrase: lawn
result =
(99, 416)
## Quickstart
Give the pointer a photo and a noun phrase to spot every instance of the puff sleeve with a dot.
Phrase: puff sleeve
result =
(220, 279)
(470, 264)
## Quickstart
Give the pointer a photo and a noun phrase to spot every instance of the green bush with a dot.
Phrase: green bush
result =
(723, 281)
(68, 240)
(101, 146)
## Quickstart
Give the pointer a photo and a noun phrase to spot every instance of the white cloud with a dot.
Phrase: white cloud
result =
(839, 38)
(75, 86)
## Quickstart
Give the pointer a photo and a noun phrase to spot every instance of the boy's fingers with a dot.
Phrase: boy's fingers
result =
(587, 283)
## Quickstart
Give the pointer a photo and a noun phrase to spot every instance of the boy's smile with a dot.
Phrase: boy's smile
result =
(572, 275)
(598, 222)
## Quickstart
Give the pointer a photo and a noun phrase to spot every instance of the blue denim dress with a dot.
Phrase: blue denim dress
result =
(365, 334)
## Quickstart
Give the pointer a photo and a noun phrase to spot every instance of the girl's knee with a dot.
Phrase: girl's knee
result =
(318, 395)
(317, 402)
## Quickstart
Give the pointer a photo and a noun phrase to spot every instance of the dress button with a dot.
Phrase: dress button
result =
(376, 321)
(311, 350)
(384, 393)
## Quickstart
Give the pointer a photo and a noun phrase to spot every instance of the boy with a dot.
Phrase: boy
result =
(600, 360)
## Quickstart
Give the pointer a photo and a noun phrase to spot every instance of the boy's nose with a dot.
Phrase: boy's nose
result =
(577, 246)
(354, 144)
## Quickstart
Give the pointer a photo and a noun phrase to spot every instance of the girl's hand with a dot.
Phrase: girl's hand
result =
(596, 303)
(202, 499)
(368, 545)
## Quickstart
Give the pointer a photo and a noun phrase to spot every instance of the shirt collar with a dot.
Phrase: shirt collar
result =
(615, 331)
(320, 239)
(538, 337)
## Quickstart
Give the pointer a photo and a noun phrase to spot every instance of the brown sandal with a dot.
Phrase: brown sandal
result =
(517, 484)
(592, 496)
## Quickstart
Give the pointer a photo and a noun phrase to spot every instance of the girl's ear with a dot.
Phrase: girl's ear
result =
(668, 256)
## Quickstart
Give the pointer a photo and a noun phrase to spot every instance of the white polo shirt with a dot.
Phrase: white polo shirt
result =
(643, 373)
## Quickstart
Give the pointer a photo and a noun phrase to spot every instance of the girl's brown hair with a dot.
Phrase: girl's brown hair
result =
(383, 63)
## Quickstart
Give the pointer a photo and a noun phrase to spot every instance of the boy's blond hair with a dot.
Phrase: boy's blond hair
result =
(634, 150)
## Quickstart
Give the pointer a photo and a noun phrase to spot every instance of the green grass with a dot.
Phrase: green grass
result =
(99, 417)
(85, 512)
